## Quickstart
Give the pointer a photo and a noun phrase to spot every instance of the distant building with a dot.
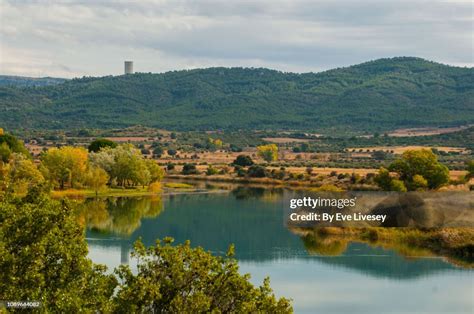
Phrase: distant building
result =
(128, 67)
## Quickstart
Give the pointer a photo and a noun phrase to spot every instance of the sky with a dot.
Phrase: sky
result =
(93, 38)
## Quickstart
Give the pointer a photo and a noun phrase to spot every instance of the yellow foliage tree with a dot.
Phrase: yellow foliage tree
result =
(268, 152)
(65, 166)
(218, 143)
(97, 179)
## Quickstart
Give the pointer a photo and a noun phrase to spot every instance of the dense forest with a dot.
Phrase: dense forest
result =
(375, 96)
(23, 81)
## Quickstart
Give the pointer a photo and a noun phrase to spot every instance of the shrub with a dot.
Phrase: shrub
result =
(172, 152)
(158, 151)
(189, 169)
(421, 162)
(154, 187)
(243, 161)
(211, 171)
(183, 279)
(256, 171)
(418, 183)
(99, 143)
(397, 185)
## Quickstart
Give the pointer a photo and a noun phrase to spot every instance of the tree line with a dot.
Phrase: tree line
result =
(106, 164)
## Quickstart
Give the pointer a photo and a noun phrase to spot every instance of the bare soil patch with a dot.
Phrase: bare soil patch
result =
(425, 131)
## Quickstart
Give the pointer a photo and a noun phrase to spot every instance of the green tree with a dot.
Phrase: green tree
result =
(470, 169)
(47, 261)
(189, 169)
(397, 185)
(418, 183)
(421, 162)
(156, 171)
(5, 152)
(158, 151)
(243, 161)
(182, 279)
(97, 179)
(257, 171)
(99, 143)
(126, 166)
(211, 171)
(383, 179)
(13, 144)
(268, 152)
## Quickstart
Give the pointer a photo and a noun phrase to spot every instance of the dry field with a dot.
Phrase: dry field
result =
(285, 140)
(401, 149)
(34, 149)
(126, 139)
(220, 157)
(454, 174)
(425, 131)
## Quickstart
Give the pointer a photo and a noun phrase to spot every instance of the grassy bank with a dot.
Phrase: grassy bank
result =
(136, 191)
(456, 244)
(296, 184)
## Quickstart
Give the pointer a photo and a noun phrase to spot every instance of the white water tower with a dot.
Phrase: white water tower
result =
(128, 67)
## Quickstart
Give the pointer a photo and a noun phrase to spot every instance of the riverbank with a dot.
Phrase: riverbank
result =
(332, 184)
(312, 184)
(455, 244)
(131, 192)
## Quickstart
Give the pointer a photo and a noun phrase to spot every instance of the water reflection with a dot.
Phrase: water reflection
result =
(120, 216)
(251, 218)
(313, 268)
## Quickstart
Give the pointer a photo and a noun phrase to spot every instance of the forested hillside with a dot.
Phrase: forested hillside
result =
(22, 81)
(373, 96)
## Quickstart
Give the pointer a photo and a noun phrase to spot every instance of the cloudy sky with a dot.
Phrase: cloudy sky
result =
(76, 38)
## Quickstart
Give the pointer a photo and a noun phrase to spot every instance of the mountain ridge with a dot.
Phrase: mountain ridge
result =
(376, 95)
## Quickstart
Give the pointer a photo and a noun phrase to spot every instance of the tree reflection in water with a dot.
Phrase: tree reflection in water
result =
(118, 215)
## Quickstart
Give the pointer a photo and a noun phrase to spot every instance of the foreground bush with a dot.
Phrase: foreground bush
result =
(180, 278)
(43, 257)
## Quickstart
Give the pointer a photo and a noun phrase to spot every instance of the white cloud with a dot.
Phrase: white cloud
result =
(75, 38)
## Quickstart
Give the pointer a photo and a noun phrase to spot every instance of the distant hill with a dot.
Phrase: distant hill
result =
(377, 95)
(22, 81)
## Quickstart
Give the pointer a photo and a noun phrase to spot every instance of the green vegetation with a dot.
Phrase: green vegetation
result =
(126, 166)
(189, 169)
(65, 166)
(47, 262)
(21, 81)
(374, 96)
(470, 169)
(176, 185)
(243, 161)
(99, 143)
(19, 175)
(10, 144)
(416, 170)
(185, 280)
(75, 169)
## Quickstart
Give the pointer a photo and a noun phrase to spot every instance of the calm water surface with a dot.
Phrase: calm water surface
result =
(356, 278)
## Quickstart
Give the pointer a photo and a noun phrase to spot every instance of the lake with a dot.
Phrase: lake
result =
(356, 278)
